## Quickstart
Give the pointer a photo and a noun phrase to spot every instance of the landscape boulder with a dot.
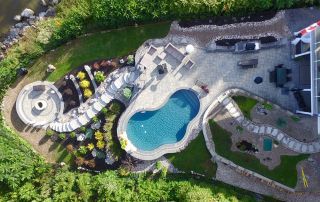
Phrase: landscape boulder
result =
(27, 13)
(51, 68)
(17, 18)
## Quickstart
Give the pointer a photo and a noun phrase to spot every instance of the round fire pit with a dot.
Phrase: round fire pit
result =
(41, 105)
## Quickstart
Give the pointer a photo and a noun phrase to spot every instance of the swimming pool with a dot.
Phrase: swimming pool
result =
(149, 130)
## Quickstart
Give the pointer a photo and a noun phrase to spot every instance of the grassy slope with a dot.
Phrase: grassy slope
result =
(285, 173)
(115, 43)
(195, 158)
(245, 104)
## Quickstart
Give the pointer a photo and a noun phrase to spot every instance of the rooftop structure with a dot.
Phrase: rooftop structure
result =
(307, 48)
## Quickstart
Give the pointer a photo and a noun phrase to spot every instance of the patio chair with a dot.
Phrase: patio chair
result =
(272, 76)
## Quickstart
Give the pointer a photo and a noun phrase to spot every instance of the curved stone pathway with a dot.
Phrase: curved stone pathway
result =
(88, 70)
(75, 83)
(273, 132)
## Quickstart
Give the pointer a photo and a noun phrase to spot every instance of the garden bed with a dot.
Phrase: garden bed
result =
(223, 20)
(102, 67)
(100, 135)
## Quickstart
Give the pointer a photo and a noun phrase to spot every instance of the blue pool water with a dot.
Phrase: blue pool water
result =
(150, 129)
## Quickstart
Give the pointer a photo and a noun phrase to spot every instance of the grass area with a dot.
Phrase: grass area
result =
(114, 43)
(285, 173)
(61, 154)
(245, 104)
(195, 158)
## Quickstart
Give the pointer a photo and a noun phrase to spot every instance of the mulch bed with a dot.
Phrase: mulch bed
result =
(223, 20)
(67, 88)
(232, 42)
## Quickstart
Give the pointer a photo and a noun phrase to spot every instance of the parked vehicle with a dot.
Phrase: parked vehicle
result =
(252, 63)
(247, 46)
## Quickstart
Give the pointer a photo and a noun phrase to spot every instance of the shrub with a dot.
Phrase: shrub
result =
(84, 84)
(267, 106)
(73, 134)
(130, 59)
(81, 75)
(62, 136)
(295, 118)
(83, 150)
(164, 171)
(123, 143)
(123, 171)
(104, 110)
(95, 119)
(158, 165)
(107, 136)
(98, 135)
(107, 126)
(50, 132)
(70, 148)
(127, 93)
(115, 107)
(90, 146)
(79, 161)
(100, 144)
(87, 93)
(82, 129)
(90, 163)
(239, 129)
(96, 66)
(99, 77)
(281, 122)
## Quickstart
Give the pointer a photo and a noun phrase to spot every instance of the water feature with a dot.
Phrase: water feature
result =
(10, 8)
(149, 130)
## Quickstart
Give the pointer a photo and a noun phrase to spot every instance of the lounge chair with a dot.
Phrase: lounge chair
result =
(272, 76)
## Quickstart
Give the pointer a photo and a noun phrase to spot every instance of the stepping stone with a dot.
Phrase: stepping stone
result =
(297, 147)
(304, 148)
(274, 132)
(280, 136)
(232, 110)
(245, 123)
(240, 119)
(97, 106)
(291, 144)
(229, 106)
(235, 115)
(285, 140)
(250, 127)
(317, 145)
(268, 130)
(226, 101)
(256, 129)
(310, 148)
(262, 129)
(90, 113)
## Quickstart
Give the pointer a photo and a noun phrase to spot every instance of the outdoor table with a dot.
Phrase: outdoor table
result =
(281, 77)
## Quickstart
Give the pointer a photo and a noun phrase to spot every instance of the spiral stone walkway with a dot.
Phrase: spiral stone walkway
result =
(275, 133)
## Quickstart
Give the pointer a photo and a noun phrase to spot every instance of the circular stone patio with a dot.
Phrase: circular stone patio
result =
(39, 103)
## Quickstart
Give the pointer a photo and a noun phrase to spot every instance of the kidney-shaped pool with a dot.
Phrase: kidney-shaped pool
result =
(149, 130)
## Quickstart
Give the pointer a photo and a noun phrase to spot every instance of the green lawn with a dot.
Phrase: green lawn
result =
(115, 43)
(285, 173)
(195, 158)
(245, 104)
